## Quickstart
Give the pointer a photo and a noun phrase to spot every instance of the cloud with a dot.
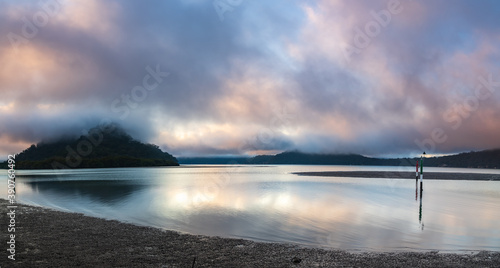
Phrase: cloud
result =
(229, 81)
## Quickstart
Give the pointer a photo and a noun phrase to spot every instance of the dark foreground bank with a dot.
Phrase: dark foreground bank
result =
(404, 175)
(47, 238)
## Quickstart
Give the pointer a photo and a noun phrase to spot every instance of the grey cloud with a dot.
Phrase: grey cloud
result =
(201, 53)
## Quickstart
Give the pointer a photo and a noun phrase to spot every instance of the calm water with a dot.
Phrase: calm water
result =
(271, 204)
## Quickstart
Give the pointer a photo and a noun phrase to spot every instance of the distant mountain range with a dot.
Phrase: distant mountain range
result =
(482, 159)
(101, 148)
(113, 147)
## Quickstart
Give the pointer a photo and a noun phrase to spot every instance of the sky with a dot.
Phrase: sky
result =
(238, 77)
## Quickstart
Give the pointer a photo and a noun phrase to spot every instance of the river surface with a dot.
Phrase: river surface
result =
(269, 203)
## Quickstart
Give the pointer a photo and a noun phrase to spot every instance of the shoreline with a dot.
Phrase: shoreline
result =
(403, 175)
(50, 238)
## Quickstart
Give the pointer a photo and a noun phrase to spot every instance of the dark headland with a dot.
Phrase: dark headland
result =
(102, 147)
(48, 238)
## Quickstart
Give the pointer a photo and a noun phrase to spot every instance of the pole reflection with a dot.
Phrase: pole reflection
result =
(420, 222)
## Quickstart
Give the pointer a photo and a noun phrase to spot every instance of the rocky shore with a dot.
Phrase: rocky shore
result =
(48, 238)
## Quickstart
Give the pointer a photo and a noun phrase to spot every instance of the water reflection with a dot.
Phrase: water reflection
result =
(421, 223)
(416, 191)
(270, 204)
(107, 192)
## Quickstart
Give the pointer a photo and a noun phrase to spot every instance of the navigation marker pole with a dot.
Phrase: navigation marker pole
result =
(422, 173)
(416, 178)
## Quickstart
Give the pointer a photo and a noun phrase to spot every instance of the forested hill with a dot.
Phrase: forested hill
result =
(482, 159)
(98, 149)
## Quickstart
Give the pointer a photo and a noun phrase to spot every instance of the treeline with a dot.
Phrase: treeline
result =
(299, 158)
(482, 159)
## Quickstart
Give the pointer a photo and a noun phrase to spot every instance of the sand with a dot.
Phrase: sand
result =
(404, 175)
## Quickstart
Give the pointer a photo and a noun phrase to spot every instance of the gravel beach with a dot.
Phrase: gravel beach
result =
(48, 238)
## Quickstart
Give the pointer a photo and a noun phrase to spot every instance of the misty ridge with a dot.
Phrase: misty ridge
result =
(482, 159)
(102, 147)
(108, 146)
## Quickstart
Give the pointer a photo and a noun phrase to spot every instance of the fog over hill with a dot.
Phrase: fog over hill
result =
(102, 147)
